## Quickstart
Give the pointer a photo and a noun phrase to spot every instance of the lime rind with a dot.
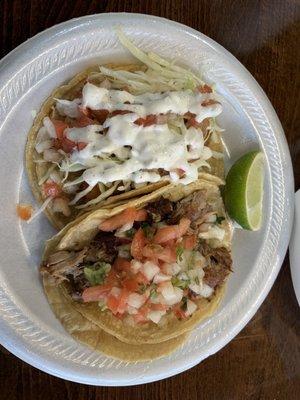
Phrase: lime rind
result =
(244, 190)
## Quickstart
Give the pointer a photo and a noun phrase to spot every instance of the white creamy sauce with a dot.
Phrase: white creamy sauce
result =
(181, 102)
(140, 150)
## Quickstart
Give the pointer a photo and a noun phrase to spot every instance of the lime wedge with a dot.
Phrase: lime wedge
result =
(244, 190)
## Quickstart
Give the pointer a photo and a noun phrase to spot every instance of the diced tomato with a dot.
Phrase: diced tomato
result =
(68, 145)
(24, 211)
(204, 89)
(112, 278)
(83, 121)
(119, 316)
(60, 126)
(169, 243)
(189, 242)
(123, 298)
(171, 232)
(144, 309)
(159, 307)
(84, 111)
(127, 216)
(166, 268)
(147, 121)
(180, 314)
(166, 233)
(208, 103)
(131, 284)
(180, 172)
(141, 215)
(100, 115)
(112, 303)
(138, 243)
(121, 264)
(51, 189)
(96, 293)
(193, 122)
(150, 252)
(139, 318)
(119, 112)
(81, 145)
(168, 254)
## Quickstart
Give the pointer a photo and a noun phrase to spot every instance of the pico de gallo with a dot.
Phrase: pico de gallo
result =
(145, 263)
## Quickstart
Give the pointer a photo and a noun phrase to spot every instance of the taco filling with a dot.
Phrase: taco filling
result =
(145, 264)
(119, 130)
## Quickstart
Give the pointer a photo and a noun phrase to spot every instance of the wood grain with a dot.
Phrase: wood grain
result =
(263, 361)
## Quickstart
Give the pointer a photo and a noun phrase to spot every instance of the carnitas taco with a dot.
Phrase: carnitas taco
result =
(148, 271)
(120, 131)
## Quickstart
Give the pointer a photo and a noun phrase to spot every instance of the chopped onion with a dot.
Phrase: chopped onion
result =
(155, 316)
(68, 108)
(214, 232)
(149, 269)
(121, 232)
(48, 124)
(191, 307)
(211, 218)
(171, 269)
(136, 300)
(136, 266)
(206, 291)
(161, 278)
(40, 147)
(42, 134)
(171, 294)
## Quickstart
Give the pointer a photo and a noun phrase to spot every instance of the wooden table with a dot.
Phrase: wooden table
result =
(263, 361)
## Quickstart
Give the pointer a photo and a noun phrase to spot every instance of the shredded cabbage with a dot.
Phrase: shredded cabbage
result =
(158, 76)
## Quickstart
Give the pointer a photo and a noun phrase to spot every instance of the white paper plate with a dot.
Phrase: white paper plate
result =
(295, 248)
(27, 76)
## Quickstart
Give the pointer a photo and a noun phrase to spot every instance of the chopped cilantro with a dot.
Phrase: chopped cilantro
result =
(197, 280)
(142, 288)
(153, 293)
(180, 283)
(130, 233)
(179, 252)
(184, 304)
(219, 219)
(96, 273)
(148, 231)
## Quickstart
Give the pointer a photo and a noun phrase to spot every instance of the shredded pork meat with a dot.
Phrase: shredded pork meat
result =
(194, 207)
(219, 264)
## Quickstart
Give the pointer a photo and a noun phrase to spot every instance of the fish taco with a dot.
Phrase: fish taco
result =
(115, 132)
(146, 272)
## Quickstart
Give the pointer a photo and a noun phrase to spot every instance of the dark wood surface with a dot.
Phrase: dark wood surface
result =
(263, 361)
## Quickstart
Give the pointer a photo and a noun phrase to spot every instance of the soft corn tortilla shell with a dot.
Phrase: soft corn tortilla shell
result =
(36, 171)
(90, 334)
(80, 233)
